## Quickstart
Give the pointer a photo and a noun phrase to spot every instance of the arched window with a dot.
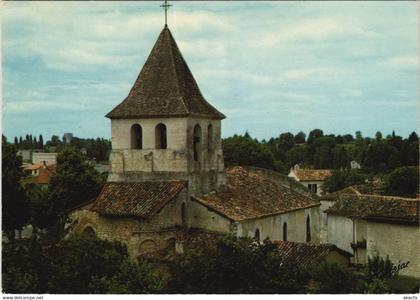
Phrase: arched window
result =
(257, 235)
(148, 246)
(183, 214)
(308, 229)
(210, 137)
(285, 231)
(197, 142)
(136, 134)
(160, 136)
(89, 232)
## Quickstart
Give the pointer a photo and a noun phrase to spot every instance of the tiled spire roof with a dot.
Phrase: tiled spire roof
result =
(165, 87)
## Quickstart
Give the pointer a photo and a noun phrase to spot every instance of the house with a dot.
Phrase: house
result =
(369, 188)
(370, 225)
(39, 157)
(253, 204)
(312, 178)
(39, 173)
(167, 171)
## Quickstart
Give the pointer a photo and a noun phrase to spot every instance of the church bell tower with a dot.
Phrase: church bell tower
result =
(165, 129)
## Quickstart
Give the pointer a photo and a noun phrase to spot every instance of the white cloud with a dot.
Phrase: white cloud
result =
(402, 62)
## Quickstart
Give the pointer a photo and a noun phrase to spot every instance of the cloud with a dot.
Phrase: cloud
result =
(272, 64)
(402, 62)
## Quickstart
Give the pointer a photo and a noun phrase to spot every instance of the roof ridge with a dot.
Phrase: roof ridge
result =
(174, 69)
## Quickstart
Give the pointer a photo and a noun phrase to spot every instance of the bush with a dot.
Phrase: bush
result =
(331, 278)
(77, 264)
(230, 265)
(402, 182)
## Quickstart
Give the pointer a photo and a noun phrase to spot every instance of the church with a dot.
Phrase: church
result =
(167, 173)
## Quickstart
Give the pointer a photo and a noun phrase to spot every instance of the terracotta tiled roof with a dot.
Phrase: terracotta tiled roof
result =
(45, 174)
(376, 206)
(136, 199)
(249, 194)
(312, 175)
(37, 166)
(165, 87)
(306, 255)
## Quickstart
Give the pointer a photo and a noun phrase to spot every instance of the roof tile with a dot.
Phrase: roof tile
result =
(136, 199)
(164, 87)
(249, 194)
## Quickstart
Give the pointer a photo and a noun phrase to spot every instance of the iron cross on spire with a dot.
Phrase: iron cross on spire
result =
(165, 5)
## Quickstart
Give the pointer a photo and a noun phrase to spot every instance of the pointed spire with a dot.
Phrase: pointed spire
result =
(165, 87)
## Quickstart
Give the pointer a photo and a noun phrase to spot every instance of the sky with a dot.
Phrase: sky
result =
(270, 67)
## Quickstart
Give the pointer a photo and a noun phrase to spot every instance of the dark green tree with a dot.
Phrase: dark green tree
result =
(296, 155)
(331, 278)
(240, 150)
(314, 134)
(340, 157)
(229, 265)
(75, 265)
(15, 207)
(402, 182)
(300, 137)
(41, 142)
(341, 179)
(323, 158)
(73, 183)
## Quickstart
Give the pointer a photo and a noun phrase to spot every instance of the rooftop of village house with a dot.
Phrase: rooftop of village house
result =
(306, 255)
(135, 199)
(250, 194)
(378, 207)
(311, 174)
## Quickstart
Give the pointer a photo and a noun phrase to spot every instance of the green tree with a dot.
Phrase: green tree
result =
(314, 134)
(300, 137)
(73, 182)
(341, 179)
(75, 265)
(340, 157)
(229, 265)
(378, 135)
(402, 182)
(41, 142)
(323, 158)
(240, 150)
(297, 155)
(15, 208)
(286, 141)
(331, 278)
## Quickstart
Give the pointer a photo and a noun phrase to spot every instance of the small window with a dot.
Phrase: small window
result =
(160, 136)
(308, 229)
(197, 142)
(285, 231)
(136, 133)
(257, 235)
(313, 187)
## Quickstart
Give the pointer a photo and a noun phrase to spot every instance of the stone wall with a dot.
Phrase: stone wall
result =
(340, 232)
(204, 218)
(400, 242)
(272, 226)
(323, 220)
